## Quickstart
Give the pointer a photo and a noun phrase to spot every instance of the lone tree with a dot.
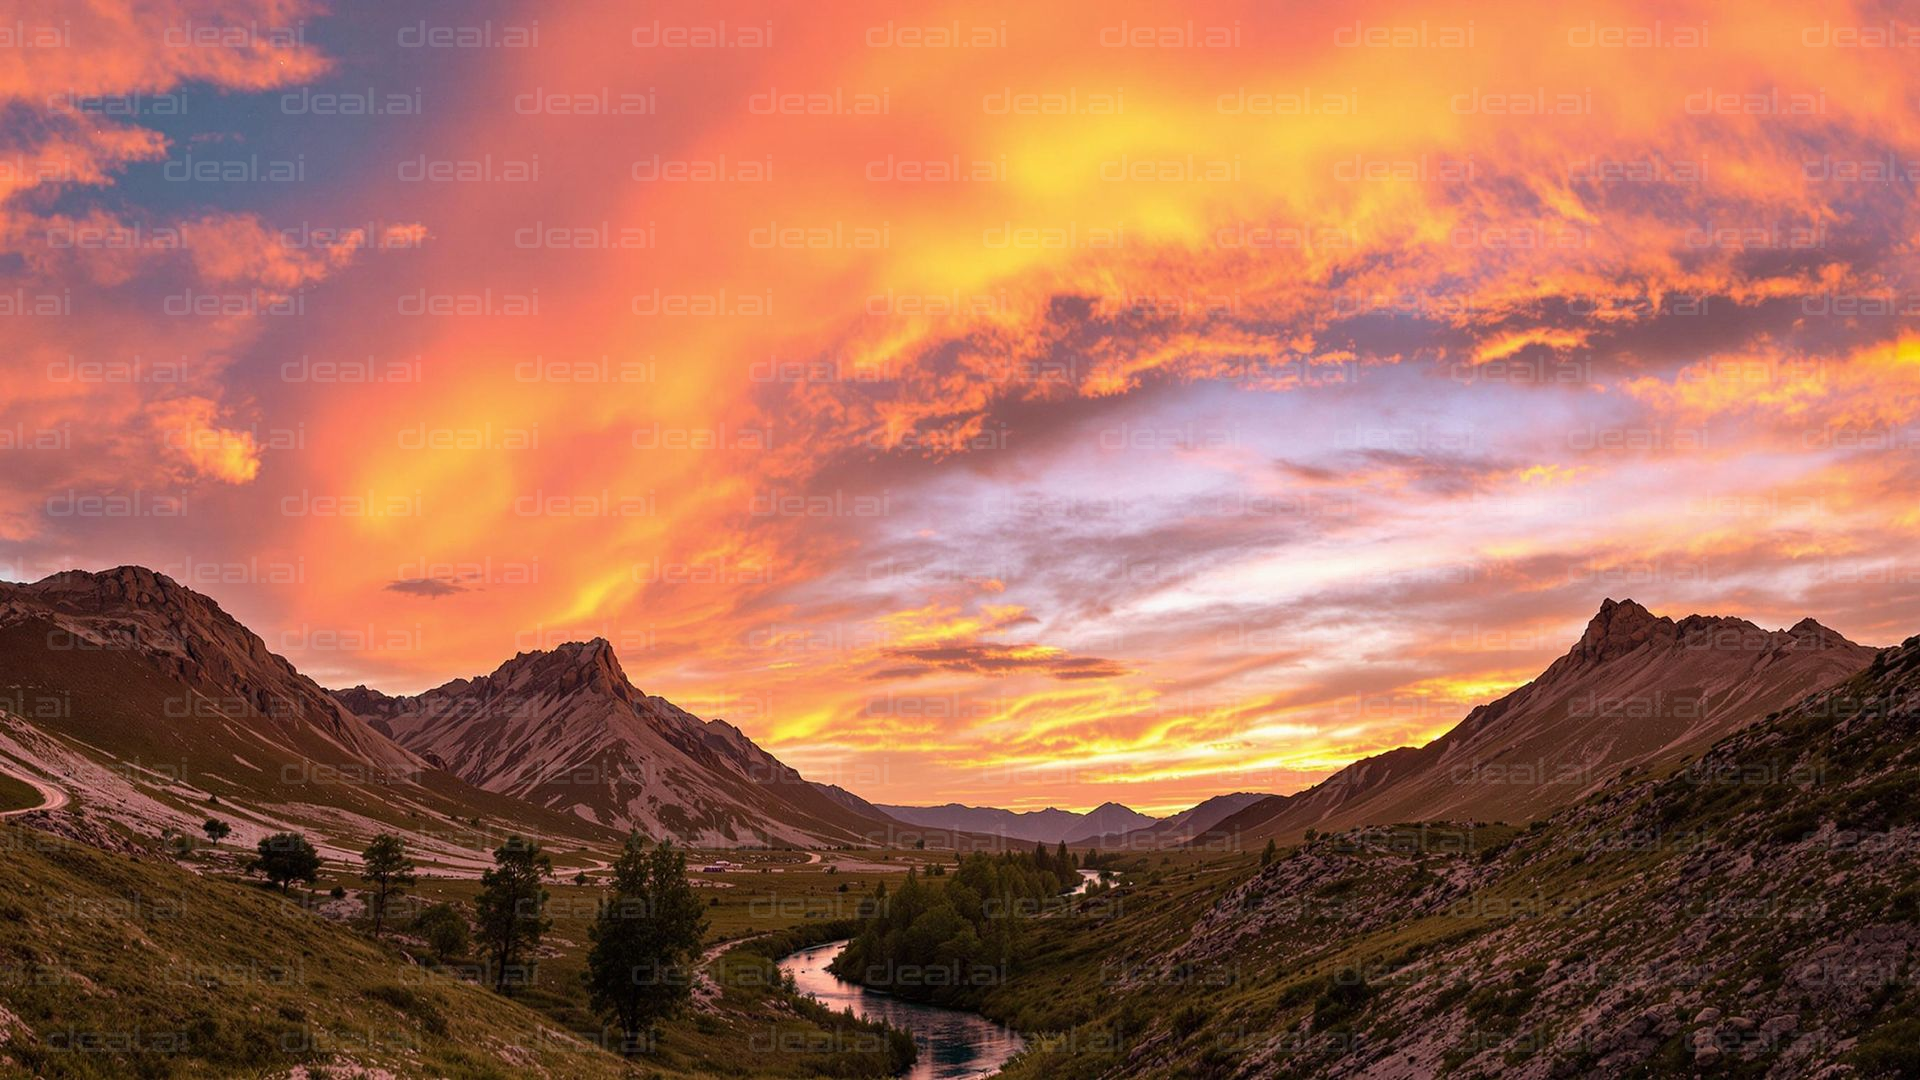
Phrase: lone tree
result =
(286, 858)
(512, 905)
(386, 868)
(645, 939)
(216, 829)
(1266, 857)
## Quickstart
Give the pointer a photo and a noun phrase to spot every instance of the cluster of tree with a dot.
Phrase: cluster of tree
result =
(645, 938)
(1061, 862)
(510, 909)
(945, 939)
(286, 858)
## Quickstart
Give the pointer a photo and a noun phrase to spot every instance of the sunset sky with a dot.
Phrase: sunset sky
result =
(1019, 404)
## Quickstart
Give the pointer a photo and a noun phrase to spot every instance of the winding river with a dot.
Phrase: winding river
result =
(954, 1045)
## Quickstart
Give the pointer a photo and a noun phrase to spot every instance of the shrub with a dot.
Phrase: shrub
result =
(1341, 999)
(445, 930)
(1890, 1050)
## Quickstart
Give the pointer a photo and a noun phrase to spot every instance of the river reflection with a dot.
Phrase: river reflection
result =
(954, 1045)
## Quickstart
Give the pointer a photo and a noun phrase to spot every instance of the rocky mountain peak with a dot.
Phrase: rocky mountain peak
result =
(135, 611)
(1809, 631)
(564, 728)
(573, 667)
(122, 586)
(595, 653)
(1620, 627)
(143, 610)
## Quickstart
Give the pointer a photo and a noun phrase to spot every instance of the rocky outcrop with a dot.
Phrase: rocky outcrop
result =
(1618, 629)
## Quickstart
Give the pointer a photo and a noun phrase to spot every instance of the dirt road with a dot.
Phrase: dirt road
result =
(52, 797)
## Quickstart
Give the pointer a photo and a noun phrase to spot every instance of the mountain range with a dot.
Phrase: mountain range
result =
(1508, 899)
(158, 709)
(1181, 828)
(1049, 826)
(157, 704)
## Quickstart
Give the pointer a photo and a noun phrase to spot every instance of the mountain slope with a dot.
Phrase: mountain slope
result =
(1049, 826)
(565, 729)
(125, 967)
(1636, 690)
(155, 709)
(1756, 913)
(186, 637)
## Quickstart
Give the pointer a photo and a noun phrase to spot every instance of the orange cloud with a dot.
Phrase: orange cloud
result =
(188, 428)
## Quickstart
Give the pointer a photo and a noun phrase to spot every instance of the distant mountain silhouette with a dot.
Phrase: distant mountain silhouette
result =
(1179, 828)
(1048, 826)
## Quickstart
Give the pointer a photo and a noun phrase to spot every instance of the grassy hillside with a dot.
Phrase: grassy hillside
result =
(17, 794)
(111, 966)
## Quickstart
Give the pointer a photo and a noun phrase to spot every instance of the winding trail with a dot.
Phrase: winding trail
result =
(53, 796)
